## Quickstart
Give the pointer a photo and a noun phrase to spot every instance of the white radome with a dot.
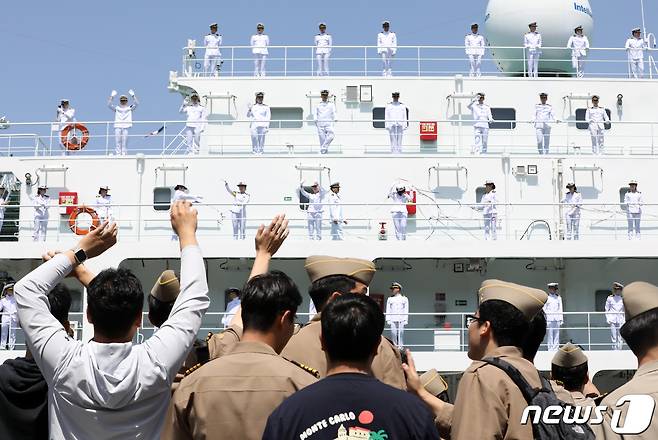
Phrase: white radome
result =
(506, 22)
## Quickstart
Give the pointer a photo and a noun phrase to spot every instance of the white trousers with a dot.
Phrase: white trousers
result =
(395, 133)
(8, 332)
(326, 135)
(533, 64)
(40, 229)
(578, 63)
(258, 139)
(337, 230)
(615, 337)
(543, 139)
(481, 140)
(192, 139)
(634, 225)
(637, 67)
(121, 139)
(476, 63)
(397, 331)
(323, 64)
(387, 58)
(314, 220)
(259, 64)
(239, 225)
(211, 63)
(400, 223)
(573, 227)
(490, 227)
(2, 219)
(553, 333)
(597, 139)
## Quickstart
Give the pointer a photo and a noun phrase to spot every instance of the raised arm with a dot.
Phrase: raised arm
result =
(183, 106)
(303, 191)
(228, 189)
(135, 103)
(110, 104)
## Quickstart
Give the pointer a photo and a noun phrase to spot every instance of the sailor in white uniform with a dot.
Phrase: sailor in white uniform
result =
(481, 118)
(554, 316)
(635, 47)
(387, 47)
(532, 42)
(65, 114)
(41, 206)
(123, 120)
(615, 315)
(400, 198)
(4, 201)
(182, 193)
(397, 313)
(544, 117)
(259, 42)
(396, 117)
(572, 201)
(197, 119)
(9, 321)
(336, 212)
(323, 43)
(212, 59)
(324, 115)
(489, 208)
(103, 204)
(474, 44)
(633, 202)
(260, 116)
(596, 117)
(315, 209)
(239, 209)
(579, 45)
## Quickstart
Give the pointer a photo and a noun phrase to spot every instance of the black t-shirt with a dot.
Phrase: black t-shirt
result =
(351, 406)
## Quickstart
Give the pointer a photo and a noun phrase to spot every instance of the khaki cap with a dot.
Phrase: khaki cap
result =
(321, 266)
(527, 300)
(639, 297)
(569, 355)
(167, 287)
(433, 382)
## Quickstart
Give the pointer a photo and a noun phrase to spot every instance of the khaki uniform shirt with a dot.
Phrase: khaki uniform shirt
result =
(232, 397)
(220, 343)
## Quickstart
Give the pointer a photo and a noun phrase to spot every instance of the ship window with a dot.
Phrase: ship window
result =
(505, 118)
(580, 119)
(622, 194)
(162, 198)
(379, 117)
(287, 117)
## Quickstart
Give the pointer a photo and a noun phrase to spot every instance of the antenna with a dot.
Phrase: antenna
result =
(644, 27)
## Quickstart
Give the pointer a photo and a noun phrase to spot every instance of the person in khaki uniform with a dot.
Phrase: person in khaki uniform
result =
(332, 277)
(569, 369)
(639, 332)
(232, 396)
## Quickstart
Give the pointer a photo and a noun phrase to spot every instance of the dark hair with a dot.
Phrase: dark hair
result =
(60, 303)
(159, 310)
(352, 327)
(572, 378)
(508, 325)
(535, 336)
(266, 296)
(321, 290)
(114, 300)
(641, 332)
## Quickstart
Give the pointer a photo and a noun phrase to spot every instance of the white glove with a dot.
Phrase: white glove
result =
(113, 94)
(131, 92)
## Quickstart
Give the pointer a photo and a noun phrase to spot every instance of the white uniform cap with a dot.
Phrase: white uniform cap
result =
(396, 284)
(534, 23)
(64, 100)
(633, 182)
(315, 184)
(42, 187)
(335, 185)
(386, 22)
(242, 183)
(322, 24)
(400, 187)
(260, 25)
(105, 187)
(213, 25)
(556, 285)
(489, 182)
(123, 97)
(637, 29)
(474, 25)
(617, 285)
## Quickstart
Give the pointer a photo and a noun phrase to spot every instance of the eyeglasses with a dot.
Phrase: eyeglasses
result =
(470, 319)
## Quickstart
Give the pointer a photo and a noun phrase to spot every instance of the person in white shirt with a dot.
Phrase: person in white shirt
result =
(123, 120)
(197, 120)
(109, 386)
(635, 47)
(9, 321)
(41, 204)
(397, 313)
(103, 204)
(474, 44)
(615, 315)
(481, 118)
(544, 117)
(65, 114)
(4, 201)
(532, 43)
(596, 117)
(489, 208)
(633, 203)
(400, 199)
(260, 116)
(572, 201)
(239, 209)
(212, 59)
(323, 43)
(233, 294)
(259, 43)
(336, 212)
(315, 209)
(182, 193)
(579, 44)
(554, 316)
(324, 115)
(387, 46)
(396, 116)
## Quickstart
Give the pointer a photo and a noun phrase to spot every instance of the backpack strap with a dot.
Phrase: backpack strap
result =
(528, 392)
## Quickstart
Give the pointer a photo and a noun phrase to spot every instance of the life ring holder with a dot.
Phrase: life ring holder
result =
(72, 144)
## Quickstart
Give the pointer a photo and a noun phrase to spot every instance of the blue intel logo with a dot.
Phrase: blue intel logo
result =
(583, 9)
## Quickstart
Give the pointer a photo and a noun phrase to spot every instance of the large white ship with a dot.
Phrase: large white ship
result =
(445, 257)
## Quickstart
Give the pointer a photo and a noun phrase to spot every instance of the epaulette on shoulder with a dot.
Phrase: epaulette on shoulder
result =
(192, 369)
(306, 368)
(209, 337)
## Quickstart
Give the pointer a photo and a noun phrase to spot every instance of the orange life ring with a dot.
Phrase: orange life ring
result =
(73, 144)
(95, 220)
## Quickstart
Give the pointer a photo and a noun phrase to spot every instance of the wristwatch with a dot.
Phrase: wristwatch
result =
(80, 255)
